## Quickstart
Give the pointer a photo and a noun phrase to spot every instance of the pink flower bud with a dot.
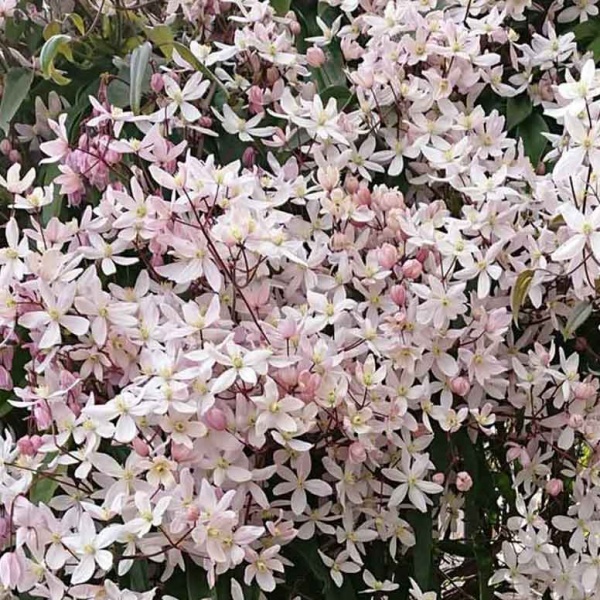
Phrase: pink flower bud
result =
(420, 431)
(14, 156)
(339, 241)
(460, 386)
(422, 255)
(513, 453)
(141, 447)
(5, 146)
(205, 122)
(363, 197)
(576, 421)
(554, 487)
(295, 27)
(412, 269)
(398, 295)
(157, 82)
(387, 256)
(193, 512)
(216, 419)
(36, 442)
(357, 453)
(308, 383)
(42, 415)
(438, 478)
(256, 99)
(328, 177)
(582, 390)
(180, 453)
(272, 75)
(11, 569)
(351, 184)
(391, 199)
(249, 157)
(364, 78)
(463, 481)
(25, 446)
(315, 57)
(280, 135)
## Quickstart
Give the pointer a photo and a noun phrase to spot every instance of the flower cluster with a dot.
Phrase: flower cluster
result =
(318, 291)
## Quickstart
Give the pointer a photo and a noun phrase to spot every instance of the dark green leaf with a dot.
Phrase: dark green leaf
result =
(16, 88)
(138, 576)
(517, 110)
(587, 31)
(281, 6)
(530, 131)
(423, 549)
(341, 93)
(196, 582)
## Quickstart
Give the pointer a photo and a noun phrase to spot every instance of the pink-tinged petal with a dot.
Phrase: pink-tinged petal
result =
(238, 474)
(126, 429)
(190, 112)
(84, 570)
(213, 276)
(595, 244)
(569, 249)
(265, 580)
(51, 336)
(34, 320)
(108, 266)
(318, 488)
(417, 498)
(76, 325)
(224, 381)
(447, 364)
(568, 164)
(104, 558)
(99, 331)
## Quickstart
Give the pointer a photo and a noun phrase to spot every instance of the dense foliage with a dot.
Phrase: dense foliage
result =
(299, 300)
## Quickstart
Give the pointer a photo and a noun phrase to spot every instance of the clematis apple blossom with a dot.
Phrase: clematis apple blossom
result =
(297, 294)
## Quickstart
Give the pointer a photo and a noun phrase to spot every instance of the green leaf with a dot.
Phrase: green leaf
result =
(196, 582)
(118, 93)
(16, 88)
(587, 31)
(139, 64)
(517, 110)
(480, 502)
(138, 576)
(281, 6)
(56, 45)
(577, 318)
(530, 131)
(43, 490)
(340, 92)
(162, 37)
(423, 548)
(520, 291)
(77, 21)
